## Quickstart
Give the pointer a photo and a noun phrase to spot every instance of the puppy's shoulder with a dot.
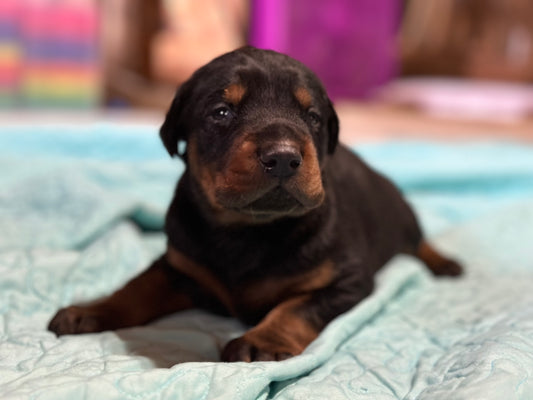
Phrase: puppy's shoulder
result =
(345, 164)
(353, 179)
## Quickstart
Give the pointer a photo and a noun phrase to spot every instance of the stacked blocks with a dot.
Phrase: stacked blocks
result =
(10, 52)
(52, 57)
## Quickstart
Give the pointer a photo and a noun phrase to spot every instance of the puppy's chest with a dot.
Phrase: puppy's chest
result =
(255, 297)
(251, 293)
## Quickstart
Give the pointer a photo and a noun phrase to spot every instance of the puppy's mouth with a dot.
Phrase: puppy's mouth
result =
(279, 201)
(276, 201)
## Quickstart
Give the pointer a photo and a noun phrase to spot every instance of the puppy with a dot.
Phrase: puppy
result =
(273, 222)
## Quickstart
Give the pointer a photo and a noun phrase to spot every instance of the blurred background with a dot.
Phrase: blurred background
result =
(447, 67)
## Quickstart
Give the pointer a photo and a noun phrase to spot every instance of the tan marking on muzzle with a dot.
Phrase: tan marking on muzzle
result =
(241, 172)
(237, 176)
(308, 181)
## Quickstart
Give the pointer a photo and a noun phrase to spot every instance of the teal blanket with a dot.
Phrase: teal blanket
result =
(80, 213)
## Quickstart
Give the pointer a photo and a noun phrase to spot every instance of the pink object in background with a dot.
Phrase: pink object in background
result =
(468, 99)
(350, 44)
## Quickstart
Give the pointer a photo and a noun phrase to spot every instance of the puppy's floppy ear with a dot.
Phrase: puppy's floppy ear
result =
(333, 129)
(173, 131)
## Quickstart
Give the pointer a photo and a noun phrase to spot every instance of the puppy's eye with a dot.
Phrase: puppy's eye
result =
(221, 113)
(314, 118)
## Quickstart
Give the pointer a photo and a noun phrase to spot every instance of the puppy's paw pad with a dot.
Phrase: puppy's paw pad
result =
(447, 268)
(73, 320)
(241, 350)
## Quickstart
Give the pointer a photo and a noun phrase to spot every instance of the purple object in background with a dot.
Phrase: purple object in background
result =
(349, 44)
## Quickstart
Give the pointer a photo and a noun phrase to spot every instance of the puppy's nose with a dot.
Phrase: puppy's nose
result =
(281, 161)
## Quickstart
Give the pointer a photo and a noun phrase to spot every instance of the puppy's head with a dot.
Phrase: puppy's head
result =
(258, 128)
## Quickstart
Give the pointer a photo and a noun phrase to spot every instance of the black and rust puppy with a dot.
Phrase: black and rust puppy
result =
(272, 222)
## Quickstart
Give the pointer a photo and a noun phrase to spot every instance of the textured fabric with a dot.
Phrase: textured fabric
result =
(78, 209)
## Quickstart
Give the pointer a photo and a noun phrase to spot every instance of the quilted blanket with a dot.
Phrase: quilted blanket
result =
(81, 210)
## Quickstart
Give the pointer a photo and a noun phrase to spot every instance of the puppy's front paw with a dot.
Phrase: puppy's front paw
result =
(77, 319)
(447, 268)
(436, 262)
(241, 349)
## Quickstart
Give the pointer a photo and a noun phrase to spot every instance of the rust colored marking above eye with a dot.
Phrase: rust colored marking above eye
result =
(234, 93)
(304, 97)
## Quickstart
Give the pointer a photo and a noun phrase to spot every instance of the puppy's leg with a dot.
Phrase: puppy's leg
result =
(281, 334)
(436, 262)
(158, 291)
(292, 325)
